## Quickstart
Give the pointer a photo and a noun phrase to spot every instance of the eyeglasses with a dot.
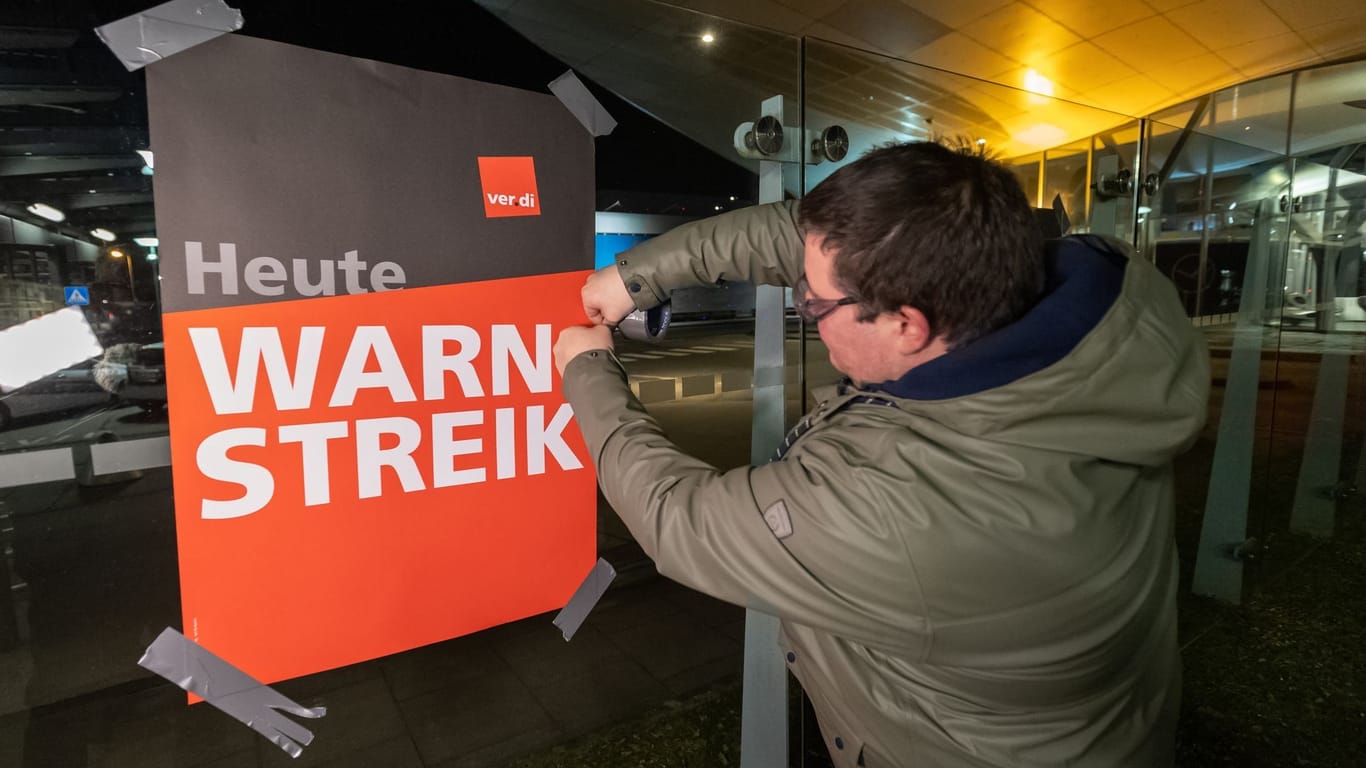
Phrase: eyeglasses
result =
(815, 309)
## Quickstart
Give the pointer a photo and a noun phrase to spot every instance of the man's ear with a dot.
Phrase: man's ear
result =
(915, 333)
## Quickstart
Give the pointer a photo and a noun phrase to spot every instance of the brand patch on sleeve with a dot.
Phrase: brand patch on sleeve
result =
(778, 520)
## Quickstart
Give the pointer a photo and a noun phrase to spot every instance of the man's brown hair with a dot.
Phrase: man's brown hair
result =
(921, 225)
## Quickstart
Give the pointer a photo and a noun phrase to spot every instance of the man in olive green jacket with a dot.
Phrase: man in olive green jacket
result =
(970, 546)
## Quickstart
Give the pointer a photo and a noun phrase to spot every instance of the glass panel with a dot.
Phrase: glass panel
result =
(1066, 176)
(1216, 228)
(1029, 171)
(87, 555)
(1252, 114)
(1319, 438)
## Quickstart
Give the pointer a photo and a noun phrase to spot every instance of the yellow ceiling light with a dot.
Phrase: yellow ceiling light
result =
(708, 38)
(1037, 84)
(1041, 136)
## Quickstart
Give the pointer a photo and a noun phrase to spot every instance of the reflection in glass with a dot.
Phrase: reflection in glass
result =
(1326, 209)
(1067, 172)
(1115, 181)
(1029, 172)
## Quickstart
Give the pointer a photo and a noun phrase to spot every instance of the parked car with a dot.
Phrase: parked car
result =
(135, 373)
(66, 391)
(146, 385)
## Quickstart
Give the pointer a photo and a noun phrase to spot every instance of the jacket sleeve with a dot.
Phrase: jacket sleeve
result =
(761, 244)
(788, 538)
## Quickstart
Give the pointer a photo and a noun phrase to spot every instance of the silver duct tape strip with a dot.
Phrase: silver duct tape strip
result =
(193, 668)
(127, 455)
(571, 617)
(167, 29)
(36, 467)
(575, 96)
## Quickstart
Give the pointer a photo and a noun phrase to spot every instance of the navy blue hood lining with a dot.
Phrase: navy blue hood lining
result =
(1084, 276)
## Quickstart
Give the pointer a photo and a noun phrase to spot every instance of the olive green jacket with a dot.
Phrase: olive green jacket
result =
(986, 579)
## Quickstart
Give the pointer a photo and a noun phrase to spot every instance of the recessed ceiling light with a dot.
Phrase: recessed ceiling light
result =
(147, 242)
(708, 38)
(47, 212)
(103, 234)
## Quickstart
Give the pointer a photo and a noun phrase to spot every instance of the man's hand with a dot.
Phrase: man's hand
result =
(605, 298)
(578, 339)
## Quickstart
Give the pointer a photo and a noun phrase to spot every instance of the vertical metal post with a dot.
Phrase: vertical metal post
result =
(1217, 572)
(1316, 488)
(1136, 237)
(1206, 203)
(763, 712)
(9, 622)
(1086, 201)
(1104, 218)
(156, 274)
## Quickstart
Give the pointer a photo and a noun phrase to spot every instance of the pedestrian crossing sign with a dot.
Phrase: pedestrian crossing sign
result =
(77, 295)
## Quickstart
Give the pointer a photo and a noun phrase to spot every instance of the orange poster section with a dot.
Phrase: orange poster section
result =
(391, 514)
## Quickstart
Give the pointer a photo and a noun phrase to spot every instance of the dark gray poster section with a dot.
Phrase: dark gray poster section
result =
(375, 159)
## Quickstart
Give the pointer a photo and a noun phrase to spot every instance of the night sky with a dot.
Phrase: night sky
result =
(457, 38)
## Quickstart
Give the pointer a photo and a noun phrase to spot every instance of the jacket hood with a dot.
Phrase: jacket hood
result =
(1106, 364)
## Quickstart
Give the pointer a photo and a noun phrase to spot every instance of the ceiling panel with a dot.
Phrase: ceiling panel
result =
(1197, 74)
(1224, 23)
(960, 53)
(1338, 39)
(1121, 96)
(1288, 47)
(812, 9)
(1316, 12)
(1089, 18)
(1152, 42)
(1083, 67)
(958, 13)
(1020, 32)
(888, 25)
(761, 13)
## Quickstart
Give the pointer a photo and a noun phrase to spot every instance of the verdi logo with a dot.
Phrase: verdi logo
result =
(509, 185)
